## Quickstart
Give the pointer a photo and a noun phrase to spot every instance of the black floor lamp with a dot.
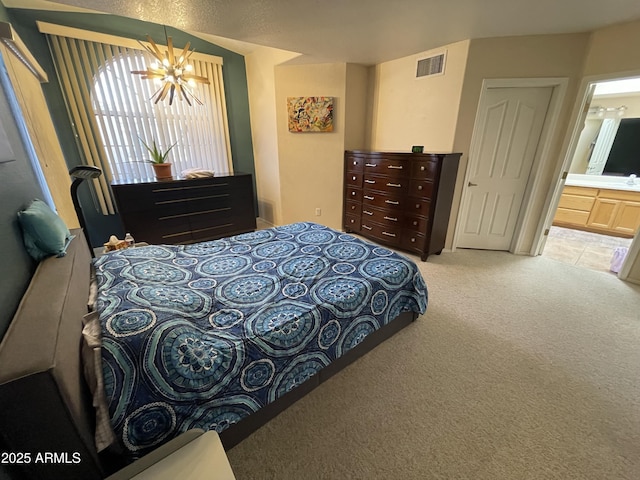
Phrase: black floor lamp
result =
(79, 174)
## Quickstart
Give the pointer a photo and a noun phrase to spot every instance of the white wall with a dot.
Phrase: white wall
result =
(357, 107)
(260, 66)
(411, 111)
(311, 164)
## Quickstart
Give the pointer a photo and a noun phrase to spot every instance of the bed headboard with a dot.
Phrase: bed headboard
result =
(45, 407)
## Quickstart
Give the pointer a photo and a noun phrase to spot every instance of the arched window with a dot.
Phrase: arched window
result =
(113, 112)
(126, 116)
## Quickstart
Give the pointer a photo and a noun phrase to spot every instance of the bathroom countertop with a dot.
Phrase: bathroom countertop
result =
(602, 181)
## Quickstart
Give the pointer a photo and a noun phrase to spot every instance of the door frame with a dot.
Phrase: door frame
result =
(535, 187)
(570, 143)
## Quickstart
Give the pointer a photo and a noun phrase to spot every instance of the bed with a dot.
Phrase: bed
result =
(219, 335)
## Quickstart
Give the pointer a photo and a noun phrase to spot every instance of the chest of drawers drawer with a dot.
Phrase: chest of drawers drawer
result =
(354, 179)
(353, 222)
(387, 233)
(413, 241)
(389, 184)
(424, 169)
(398, 203)
(372, 198)
(420, 188)
(394, 217)
(354, 163)
(386, 167)
(385, 217)
(353, 194)
(353, 208)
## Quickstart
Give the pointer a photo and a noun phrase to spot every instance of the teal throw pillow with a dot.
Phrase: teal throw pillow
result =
(44, 232)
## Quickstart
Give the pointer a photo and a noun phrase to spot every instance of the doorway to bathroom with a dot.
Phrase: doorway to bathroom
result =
(599, 207)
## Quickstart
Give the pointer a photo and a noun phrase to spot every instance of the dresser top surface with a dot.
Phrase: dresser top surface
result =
(178, 179)
(411, 154)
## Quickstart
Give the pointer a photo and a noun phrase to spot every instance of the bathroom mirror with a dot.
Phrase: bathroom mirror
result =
(609, 143)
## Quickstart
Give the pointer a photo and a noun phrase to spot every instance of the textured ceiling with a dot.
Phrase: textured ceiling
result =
(363, 31)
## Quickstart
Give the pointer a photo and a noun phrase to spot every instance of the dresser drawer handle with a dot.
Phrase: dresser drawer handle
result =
(353, 193)
(389, 234)
(368, 197)
(353, 178)
(355, 163)
(353, 221)
(370, 165)
(417, 205)
(366, 226)
(397, 185)
(419, 186)
(422, 168)
(369, 181)
(413, 240)
(353, 207)
(392, 202)
(391, 218)
(396, 167)
(415, 222)
(367, 213)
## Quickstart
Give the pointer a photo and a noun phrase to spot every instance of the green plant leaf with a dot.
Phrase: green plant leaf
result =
(157, 155)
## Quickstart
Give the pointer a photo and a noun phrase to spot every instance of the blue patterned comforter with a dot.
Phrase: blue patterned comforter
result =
(203, 335)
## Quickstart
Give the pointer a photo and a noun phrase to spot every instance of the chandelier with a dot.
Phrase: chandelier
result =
(172, 72)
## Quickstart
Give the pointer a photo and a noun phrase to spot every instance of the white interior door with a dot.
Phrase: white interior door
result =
(509, 128)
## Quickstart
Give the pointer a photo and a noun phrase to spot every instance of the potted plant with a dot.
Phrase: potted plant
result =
(158, 160)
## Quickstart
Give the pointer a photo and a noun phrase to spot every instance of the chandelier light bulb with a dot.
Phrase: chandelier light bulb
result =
(173, 77)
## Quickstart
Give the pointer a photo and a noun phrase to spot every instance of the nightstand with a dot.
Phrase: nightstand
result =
(194, 455)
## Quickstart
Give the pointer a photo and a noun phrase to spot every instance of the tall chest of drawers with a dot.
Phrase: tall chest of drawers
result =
(187, 211)
(400, 199)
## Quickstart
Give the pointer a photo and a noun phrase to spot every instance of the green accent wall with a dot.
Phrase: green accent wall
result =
(234, 75)
(4, 14)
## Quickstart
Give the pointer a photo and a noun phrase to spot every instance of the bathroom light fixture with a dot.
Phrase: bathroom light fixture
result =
(608, 111)
(172, 71)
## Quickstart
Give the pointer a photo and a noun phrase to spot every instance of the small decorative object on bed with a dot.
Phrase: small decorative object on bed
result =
(205, 335)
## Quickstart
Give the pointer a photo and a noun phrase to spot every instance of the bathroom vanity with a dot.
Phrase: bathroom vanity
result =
(602, 204)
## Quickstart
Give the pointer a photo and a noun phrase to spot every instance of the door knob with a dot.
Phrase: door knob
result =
(472, 184)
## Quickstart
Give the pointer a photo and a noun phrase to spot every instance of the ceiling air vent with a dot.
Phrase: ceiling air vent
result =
(430, 66)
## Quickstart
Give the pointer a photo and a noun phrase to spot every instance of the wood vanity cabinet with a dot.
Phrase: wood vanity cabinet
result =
(575, 206)
(616, 212)
(400, 199)
(606, 211)
(187, 211)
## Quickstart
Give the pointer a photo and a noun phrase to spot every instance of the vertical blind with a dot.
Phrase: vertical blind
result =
(113, 114)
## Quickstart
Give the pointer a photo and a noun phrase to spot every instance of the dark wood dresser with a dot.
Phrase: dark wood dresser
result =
(400, 199)
(187, 211)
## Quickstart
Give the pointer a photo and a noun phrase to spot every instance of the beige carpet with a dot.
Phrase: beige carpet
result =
(522, 368)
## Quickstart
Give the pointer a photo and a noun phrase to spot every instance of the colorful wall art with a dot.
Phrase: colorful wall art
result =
(310, 114)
